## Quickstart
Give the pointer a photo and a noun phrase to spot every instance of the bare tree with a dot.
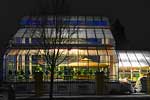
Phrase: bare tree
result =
(59, 37)
(55, 38)
(54, 34)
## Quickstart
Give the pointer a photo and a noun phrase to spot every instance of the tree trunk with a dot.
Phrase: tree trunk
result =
(51, 83)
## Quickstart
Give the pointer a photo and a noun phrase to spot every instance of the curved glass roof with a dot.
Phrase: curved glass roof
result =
(92, 35)
(89, 30)
(134, 58)
(71, 20)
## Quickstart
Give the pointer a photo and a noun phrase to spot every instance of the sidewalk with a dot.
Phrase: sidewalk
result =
(136, 96)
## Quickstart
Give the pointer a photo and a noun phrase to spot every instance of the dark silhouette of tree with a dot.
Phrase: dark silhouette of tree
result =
(55, 37)
(59, 38)
(118, 31)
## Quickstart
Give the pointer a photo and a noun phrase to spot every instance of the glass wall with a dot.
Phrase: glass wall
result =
(133, 64)
(78, 64)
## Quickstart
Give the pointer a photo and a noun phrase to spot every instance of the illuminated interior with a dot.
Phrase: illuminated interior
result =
(79, 64)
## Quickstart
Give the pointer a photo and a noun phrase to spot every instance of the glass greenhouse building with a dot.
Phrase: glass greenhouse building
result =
(133, 64)
(90, 48)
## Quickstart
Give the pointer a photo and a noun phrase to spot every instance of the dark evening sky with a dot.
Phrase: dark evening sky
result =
(134, 15)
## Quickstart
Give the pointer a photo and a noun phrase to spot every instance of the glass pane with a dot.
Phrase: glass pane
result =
(51, 33)
(124, 58)
(104, 59)
(98, 18)
(147, 56)
(35, 41)
(81, 20)
(34, 33)
(65, 33)
(82, 41)
(102, 52)
(99, 33)
(120, 62)
(81, 33)
(28, 33)
(133, 59)
(90, 33)
(83, 52)
(141, 59)
(33, 52)
(74, 33)
(20, 32)
(108, 33)
(89, 21)
(73, 52)
(105, 21)
(93, 52)
(26, 40)
(73, 18)
(89, 18)
(18, 40)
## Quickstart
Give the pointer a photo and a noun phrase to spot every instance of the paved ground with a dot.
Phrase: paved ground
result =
(3, 96)
(135, 96)
(103, 97)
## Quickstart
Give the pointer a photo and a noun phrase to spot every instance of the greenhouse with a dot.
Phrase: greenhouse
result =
(90, 48)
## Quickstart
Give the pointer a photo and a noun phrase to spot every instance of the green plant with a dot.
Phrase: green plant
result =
(79, 72)
(90, 72)
(60, 73)
(85, 72)
(20, 75)
(38, 69)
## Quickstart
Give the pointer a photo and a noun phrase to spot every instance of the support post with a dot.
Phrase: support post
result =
(148, 83)
(100, 83)
(38, 83)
